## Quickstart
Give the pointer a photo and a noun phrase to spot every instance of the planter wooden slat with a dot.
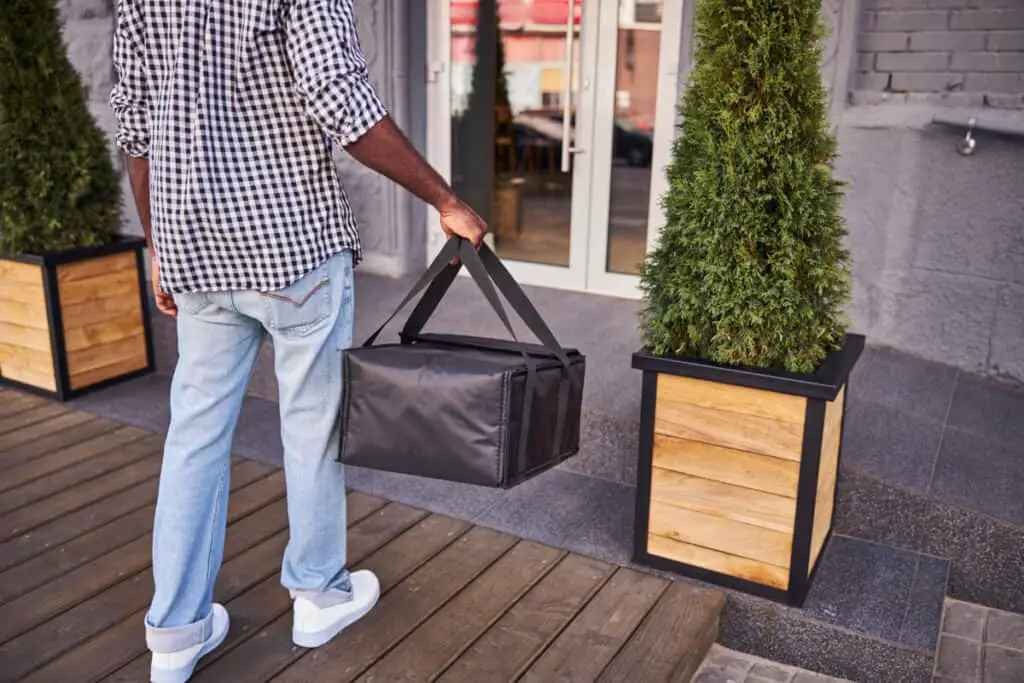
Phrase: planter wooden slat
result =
(737, 470)
(727, 465)
(74, 321)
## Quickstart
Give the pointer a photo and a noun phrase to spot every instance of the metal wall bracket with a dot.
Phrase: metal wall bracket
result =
(1010, 124)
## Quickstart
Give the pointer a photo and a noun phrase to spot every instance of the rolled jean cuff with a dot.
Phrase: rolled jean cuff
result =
(178, 638)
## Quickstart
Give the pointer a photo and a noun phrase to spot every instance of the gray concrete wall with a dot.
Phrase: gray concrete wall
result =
(971, 50)
(937, 238)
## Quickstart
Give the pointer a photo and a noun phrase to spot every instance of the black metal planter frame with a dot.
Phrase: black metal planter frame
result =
(819, 388)
(49, 263)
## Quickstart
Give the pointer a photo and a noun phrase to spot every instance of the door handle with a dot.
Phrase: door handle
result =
(567, 91)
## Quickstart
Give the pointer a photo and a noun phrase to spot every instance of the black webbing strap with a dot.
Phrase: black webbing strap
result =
(476, 269)
(426, 306)
(520, 303)
(440, 263)
(510, 289)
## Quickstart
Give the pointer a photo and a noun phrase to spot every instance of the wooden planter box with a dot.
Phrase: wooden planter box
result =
(736, 482)
(76, 320)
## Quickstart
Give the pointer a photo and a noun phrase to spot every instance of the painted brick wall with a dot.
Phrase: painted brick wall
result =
(970, 50)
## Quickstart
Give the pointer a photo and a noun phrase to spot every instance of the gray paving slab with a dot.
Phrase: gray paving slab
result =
(981, 473)
(890, 443)
(980, 645)
(913, 385)
(990, 408)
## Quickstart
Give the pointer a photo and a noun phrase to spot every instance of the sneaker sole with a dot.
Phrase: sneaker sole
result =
(312, 639)
(182, 675)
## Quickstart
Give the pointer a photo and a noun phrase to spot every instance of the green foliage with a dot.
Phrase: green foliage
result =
(751, 268)
(58, 187)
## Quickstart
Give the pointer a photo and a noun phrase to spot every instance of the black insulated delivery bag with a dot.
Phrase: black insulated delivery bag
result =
(481, 411)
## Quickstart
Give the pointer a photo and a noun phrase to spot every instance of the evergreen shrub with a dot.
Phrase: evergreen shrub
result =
(58, 186)
(751, 269)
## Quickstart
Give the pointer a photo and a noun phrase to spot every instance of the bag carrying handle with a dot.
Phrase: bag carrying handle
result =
(495, 271)
(448, 252)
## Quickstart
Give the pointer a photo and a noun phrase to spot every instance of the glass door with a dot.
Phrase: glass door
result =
(637, 80)
(551, 118)
(511, 95)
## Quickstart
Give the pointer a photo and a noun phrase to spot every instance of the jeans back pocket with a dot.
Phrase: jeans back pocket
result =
(301, 306)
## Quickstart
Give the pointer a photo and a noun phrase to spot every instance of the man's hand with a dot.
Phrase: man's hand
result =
(164, 300)
(457, 218)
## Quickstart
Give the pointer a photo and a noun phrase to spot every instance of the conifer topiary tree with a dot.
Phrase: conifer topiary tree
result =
(751, 269)
(58, 186)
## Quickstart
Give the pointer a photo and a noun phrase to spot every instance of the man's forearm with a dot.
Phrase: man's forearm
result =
(385, 149)
(138, 176)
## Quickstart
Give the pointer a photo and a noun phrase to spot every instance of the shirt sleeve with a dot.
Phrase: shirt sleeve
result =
(329, 68)
(129, 96)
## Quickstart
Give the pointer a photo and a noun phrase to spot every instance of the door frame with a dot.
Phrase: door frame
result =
(593, 165)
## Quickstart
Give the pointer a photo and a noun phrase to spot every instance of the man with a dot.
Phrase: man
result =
(226, 110)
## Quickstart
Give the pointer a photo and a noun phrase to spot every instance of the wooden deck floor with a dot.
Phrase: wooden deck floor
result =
(460, 603)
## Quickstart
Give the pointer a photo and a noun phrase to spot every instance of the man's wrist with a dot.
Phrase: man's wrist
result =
(446, 201)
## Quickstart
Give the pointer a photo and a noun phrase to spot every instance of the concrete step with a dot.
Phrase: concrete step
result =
(872, 614)
(986, 554)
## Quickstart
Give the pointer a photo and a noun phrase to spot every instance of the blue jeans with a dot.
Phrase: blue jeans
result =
(219, 337)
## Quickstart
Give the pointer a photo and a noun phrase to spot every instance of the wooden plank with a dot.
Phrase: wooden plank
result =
(66, 502)
(41, 414)
(78, 586)
(25, 273)
(102, 332)
(89, 312)
(733, 565)
(62, 558)
(64, 478)
(129, 439)
(109, 608)
(671, 643)
(22, 444)
(32, 315)
(427, 651)
(723, 500)
(398, 613)
(26, 293)
(725, 535)
(124, 366)
(743, 400)
(82, 364)
(19, 335)
(15, 358)
(749, 470)
(721, 428)
(67, 527)
(521, 635)
(123, 283)
(584, 649)
(828, 471)
(270, 650)
(122, 648)
(96, 267)
(47, 381)
(91, 427)
(16, 402)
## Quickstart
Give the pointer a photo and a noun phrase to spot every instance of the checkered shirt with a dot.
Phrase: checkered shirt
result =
(236, 104)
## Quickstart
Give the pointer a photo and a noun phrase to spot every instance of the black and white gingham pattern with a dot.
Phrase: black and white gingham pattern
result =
(234, 102)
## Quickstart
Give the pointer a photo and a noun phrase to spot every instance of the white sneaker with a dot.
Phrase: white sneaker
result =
(314, 626)
(177, 667)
